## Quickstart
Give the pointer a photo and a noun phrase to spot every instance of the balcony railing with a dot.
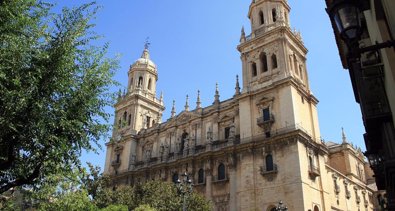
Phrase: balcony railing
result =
(116, 163)
(261, 121)
(218, 145)
(265, 171)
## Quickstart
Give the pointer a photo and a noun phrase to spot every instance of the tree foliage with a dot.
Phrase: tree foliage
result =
(70, 192)
(54, 86)
(161, 196)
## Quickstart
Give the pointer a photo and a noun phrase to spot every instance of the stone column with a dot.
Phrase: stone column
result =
(209, 178)
(233, 189)
(208, 187)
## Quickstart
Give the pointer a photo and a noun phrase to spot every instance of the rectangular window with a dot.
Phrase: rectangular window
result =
(266, 114)
(253, 69)
(148, 121)
(227, 132)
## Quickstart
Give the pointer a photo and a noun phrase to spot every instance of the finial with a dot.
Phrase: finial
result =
(145, 54)
(186, 104)
(146, 43)
(216, 96)
(173, 109)
(237, 88)
(243, 35)
(344, 136)
(198, 103)
(161, 97)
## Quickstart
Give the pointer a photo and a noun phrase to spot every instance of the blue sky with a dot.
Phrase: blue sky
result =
(194, 44)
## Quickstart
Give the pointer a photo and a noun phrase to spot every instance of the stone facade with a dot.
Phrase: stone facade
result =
(250, 151)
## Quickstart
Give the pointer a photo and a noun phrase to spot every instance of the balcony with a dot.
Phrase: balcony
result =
(262, 121)
(314, 171)
(265, 171)
(116, 163)
(269, 174)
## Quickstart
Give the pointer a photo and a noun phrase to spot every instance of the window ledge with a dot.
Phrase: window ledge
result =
(200, 184)
(221, 181)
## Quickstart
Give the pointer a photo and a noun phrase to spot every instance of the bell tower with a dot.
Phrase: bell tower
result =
(272, 51)
(274, 69)
(139, 108)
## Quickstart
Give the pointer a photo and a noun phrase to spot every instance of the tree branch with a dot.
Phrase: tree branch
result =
(22, 181)
(6, 164)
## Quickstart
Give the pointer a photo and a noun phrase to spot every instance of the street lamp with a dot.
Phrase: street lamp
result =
(184, 187)
(346, 14)
(281, 206)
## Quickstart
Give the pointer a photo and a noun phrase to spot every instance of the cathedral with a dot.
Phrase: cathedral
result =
(248, 152)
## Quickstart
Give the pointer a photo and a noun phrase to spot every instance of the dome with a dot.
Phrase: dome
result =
(144, 61)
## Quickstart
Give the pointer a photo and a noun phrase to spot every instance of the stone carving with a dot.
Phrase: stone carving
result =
(210, 135)
(232, 131)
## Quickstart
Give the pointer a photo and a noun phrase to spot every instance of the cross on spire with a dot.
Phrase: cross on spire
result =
(146, 43)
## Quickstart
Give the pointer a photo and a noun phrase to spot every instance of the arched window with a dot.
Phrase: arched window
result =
(149, 84)
(131, 82)
(175, 177)
(301, 71)
(316, 208)
(129, 119)
(200, 176)
(261, 18)
(269, 163)
(263, 59)
(148, 121)
(119, 123)
(253, 69)
(140, 84)
(274, 61)
(274, 15)
(124, 116)
(221, 171)
(296, 64)
(153, 122)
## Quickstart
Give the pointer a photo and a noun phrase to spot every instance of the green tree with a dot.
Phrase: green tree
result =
(94, 181)
(144, 207)
(161, 196)
(115, 208)
(54, 86)
(71, 201)
(124, 195)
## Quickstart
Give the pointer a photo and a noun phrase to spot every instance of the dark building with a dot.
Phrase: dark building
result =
(364, 32)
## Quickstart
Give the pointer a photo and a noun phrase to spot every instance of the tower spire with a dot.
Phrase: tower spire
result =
(237, 88)
(161, 97)
(186, 104)
(344, 138)
(243, 35)
(216, 96)
(173, 109)
(198, 103)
